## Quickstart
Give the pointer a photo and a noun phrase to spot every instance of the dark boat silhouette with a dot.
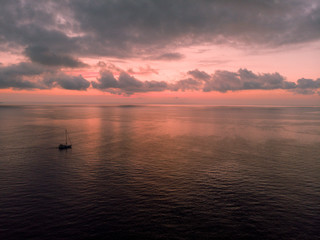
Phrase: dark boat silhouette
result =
(66, 146)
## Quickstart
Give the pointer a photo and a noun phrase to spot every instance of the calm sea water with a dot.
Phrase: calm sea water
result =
(159, 172)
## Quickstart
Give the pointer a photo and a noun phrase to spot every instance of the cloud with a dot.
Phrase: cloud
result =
(44, 56)
(27, 75)
(143, 71)
(186, 84)
(220, 80)
(201, 75)
(37, 23)
(110, 67)
(106, 80)
(183, 22)
(66, 82)
(147, 70)
(168, 57)
(244, 79)
(126, 29)
(18, 76)
(307, 86)
(126, 84)
(308, 83)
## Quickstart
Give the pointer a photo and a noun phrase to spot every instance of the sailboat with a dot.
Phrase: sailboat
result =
(66, 146)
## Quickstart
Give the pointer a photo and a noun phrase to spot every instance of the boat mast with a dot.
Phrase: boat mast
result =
(66, 137)
(69, 139)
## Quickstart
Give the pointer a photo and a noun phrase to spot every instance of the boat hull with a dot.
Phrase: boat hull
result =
(63, 146)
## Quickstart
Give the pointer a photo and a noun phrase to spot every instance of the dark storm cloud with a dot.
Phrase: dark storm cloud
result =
(149, 27)
(221, 81)
(44, 56)
(27, 75)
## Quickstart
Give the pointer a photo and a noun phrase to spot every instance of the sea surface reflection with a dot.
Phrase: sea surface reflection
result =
(159, 172)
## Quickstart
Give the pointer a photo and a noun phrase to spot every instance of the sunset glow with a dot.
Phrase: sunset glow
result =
(160, 52)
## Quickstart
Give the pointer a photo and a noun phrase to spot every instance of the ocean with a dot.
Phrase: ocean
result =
(159, 172)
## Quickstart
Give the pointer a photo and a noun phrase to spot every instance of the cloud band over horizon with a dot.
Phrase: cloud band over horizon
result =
(22, 75)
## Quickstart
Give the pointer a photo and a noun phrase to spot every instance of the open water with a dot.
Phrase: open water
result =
(159, 172)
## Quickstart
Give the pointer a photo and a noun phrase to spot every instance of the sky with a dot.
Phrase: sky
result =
(214, 52)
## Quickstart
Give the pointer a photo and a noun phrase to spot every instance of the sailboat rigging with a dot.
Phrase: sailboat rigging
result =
(66, 146)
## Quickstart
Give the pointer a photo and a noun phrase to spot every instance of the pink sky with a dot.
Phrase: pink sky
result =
(197, 57)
